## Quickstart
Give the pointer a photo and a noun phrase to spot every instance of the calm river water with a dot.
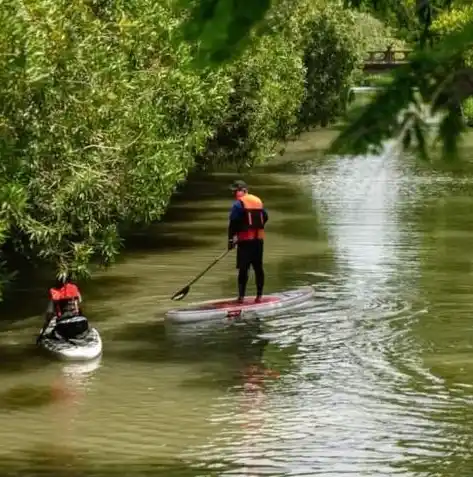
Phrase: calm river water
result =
(374, 378)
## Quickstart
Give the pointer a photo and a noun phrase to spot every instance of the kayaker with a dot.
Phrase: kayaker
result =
(64, 300)
(248, 218)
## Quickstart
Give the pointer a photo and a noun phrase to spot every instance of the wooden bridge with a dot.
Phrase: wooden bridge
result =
(385, 60)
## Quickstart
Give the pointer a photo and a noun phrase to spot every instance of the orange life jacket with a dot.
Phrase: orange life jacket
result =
(252, 226)
(65, 299)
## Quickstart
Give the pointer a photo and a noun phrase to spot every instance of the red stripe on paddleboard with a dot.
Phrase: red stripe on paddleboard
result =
(233, 305)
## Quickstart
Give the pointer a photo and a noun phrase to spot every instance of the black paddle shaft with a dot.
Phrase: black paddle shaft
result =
(43, 330)
(184, 291)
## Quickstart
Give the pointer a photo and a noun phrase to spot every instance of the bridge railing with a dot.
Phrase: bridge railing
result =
(387, 56)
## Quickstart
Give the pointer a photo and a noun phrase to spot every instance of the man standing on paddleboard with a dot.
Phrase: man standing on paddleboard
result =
(248, 218)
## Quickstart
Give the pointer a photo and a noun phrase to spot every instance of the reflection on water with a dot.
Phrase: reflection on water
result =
(360, 398)
(372, 378)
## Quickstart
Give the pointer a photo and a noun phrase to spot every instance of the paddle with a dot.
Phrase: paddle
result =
(184, 291)
(45, 327)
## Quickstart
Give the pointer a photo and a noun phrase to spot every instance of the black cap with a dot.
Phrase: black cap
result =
(239, 185)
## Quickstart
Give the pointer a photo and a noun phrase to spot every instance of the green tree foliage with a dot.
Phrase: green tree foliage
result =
(333, 54)
(98, 125)
(336, 41)
(300, 44)
(451, 20)
(101, 116)
(437, 78)
(438, 74)
(374, 34)
(399, 14)
(222, 28)
(435, 82)
(267, 90)
(411, 18)
(102, 113)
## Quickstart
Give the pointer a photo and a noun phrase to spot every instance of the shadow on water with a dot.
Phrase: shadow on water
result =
(279, 198)
(22, 305)
(223, 353)
(105, 287)
(191, 204)
(16, 358)
(26, 296)
(300, 227)
(55, 460)
(295, 271)
(178, 229)
(300, 162)
(26, 304)
(21, 397)
(159, 341)
(152, 241)
(248, 355)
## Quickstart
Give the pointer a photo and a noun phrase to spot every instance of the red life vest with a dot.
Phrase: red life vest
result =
(65, 299)
(252, 226)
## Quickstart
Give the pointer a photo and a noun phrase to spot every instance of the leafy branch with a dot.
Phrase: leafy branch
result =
(437, 77)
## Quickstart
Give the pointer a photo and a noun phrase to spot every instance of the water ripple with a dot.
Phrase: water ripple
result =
(358, 399)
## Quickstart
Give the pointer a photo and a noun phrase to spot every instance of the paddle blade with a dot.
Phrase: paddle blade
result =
(181, 294)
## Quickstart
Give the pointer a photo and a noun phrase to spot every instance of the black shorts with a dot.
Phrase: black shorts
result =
(250, 253)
